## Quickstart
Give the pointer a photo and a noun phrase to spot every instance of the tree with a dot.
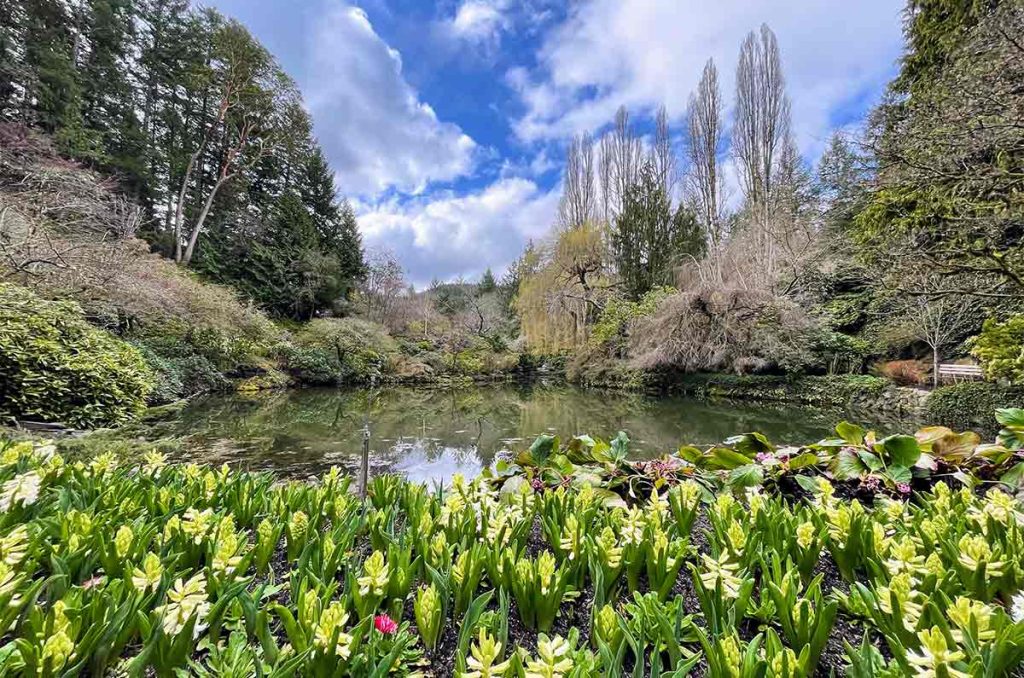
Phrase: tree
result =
(382, 286)
(648, 240)
(661, 156)
(621, 155)
(951, 155)
(705, 184)
(249, 88)
(487, 282)
(761, 127)
(937, 317)
(578, 204)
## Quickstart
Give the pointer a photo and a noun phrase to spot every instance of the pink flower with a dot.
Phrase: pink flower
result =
(385, 624)
(903, 488)
(762, 457)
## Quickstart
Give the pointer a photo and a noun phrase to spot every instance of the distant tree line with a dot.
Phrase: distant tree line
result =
(200, 126)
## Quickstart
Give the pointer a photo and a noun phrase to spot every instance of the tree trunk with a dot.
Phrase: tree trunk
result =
(935, 368)
(194, 236)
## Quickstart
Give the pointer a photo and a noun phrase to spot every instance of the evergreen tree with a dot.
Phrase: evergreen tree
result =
(648, 240)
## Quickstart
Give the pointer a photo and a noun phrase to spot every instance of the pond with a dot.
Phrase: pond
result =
(430, 434)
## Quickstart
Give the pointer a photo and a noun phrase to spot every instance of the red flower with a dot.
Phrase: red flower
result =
(385, 624)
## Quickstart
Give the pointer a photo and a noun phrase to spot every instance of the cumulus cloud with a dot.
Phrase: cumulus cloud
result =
(371, 122)
(608, 53)
(446, 236)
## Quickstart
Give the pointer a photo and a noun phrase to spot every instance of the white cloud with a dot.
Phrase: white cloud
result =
(374, 128)
(445, 236)
(479, 20)
(642, 54)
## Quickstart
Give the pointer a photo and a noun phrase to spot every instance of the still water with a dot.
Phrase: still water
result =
(430, 434)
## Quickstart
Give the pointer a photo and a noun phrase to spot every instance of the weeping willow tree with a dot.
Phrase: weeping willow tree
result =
(557, 302)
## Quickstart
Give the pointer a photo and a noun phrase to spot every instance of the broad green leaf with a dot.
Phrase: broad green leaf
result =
(803, 461)
(1015, 476)
(542, 448)
(899, 474)
(901, 450)
(1012, 433)
(724, 458)
(609, 498)
(750, 475)
(851, 433)
(750, 443)
(871, 460)
(809, 483)
(690, 454)
(620, 446)
(848, 466)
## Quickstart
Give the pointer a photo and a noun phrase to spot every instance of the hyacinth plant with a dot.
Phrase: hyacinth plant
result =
(141, 567)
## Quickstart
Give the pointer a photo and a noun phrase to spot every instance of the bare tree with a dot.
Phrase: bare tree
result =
(762, 118)
(936, 316)
(383, 285)
(705, 183)
(662, 158)
(579, 185)
(621, 158)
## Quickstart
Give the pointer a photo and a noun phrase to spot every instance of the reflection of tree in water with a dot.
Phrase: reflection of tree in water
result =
(422, 431)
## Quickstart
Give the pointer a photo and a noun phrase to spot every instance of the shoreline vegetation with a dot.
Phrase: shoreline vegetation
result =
(870, 556)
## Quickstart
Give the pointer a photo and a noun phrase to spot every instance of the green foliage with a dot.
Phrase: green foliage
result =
(649, 241)
(618, 313)
(341, 350)
(1000, 348)
(54, 366)
(970, 405)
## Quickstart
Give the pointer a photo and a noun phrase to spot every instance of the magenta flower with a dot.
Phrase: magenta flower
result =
(385, 624)
(762, 457)
(903, 488)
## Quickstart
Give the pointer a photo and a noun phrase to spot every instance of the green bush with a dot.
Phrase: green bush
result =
(970, 405)
(180, 374)
(619, 313)
(54, 366)
(342, 350)
(1000, 348)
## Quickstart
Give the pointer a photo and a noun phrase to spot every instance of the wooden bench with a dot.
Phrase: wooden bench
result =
(953, 372)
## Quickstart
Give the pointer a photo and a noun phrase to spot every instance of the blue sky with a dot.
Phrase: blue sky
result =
(446, 122)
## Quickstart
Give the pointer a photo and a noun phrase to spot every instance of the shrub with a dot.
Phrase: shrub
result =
(1000, 348)
(970, 405)
(56, 367)
(902, 372)
(180, 375)
(341, 350)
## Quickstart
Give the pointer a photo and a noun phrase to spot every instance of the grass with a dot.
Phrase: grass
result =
(569, 561)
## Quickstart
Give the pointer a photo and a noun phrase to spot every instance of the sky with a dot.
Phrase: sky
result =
(446, 122)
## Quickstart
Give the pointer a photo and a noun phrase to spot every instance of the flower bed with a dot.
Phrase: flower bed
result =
(741, 560)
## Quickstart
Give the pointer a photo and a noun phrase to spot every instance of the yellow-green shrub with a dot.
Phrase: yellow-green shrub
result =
(55, 366)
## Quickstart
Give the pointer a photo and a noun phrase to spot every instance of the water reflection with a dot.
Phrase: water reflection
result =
(430, 434)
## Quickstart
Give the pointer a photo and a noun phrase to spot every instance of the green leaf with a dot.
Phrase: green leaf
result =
(870, 460)
(809, 483)
(750, 443)
(899, 474)
(690, 454)
(620, 446)
(803, 461)
(1015, 476)
(901, 450)
(750, 475)
(542, 448)
(955, 447)
(1012, 433)
(848, 466)
(724, 458)
(851, 433)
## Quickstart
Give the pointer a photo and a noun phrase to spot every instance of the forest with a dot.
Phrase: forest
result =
(240, 265)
